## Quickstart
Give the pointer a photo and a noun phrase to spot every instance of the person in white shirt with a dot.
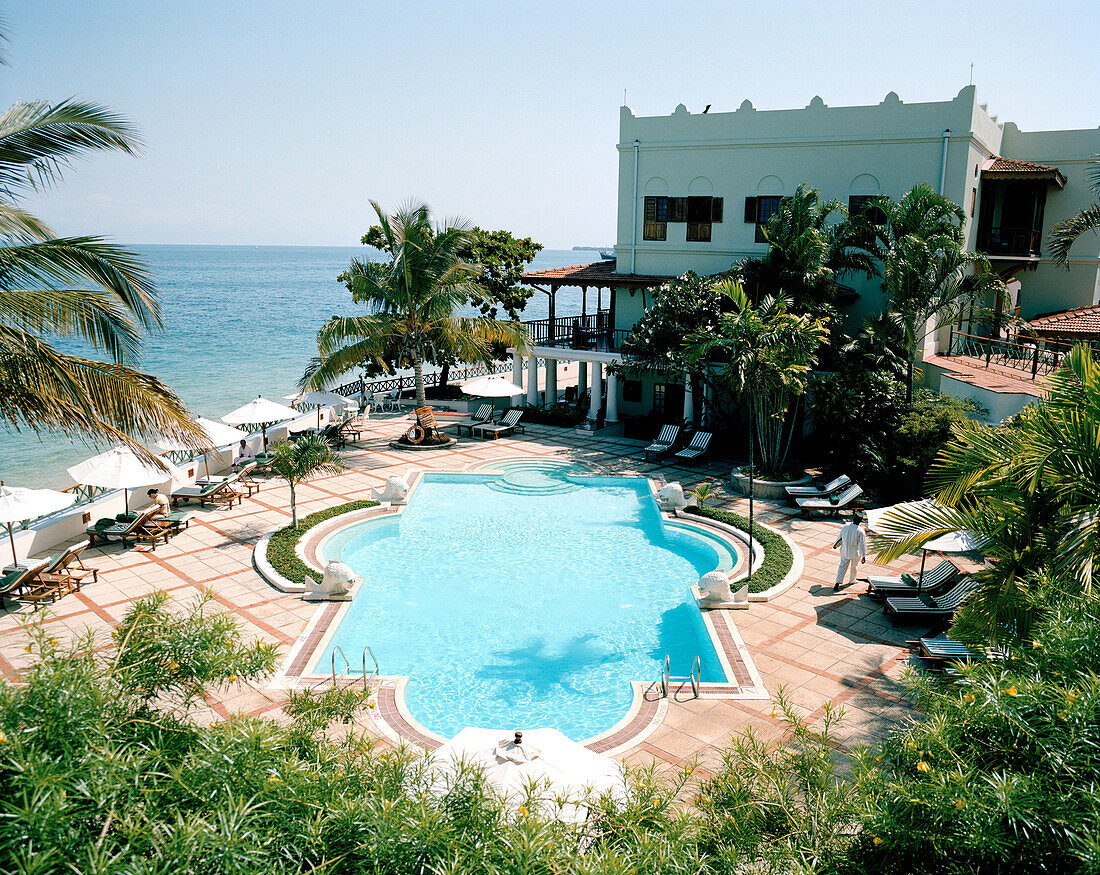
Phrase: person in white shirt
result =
(161, 501)
(853, 549)
(243, 456)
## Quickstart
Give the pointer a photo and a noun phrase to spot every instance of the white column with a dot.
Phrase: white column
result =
(532, 381)
(689, 408)
(551, 381)
(517, 373)
(594, 405)
(612, 414)
(582, 378)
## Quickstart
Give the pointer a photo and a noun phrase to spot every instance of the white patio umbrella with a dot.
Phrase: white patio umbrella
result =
(217, 434)
(493, 386)
(119, 468)
(259, 411)
(18, 503)
(320, 400)
(565, 772)
(953, 543)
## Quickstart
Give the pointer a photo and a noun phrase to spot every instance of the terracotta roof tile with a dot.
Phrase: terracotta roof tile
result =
(1011, 168)
(599, 274)
(1081, 323)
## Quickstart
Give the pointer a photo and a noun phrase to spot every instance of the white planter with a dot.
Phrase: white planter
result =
(764, 488)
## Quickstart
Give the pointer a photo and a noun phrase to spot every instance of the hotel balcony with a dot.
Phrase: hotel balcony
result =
(589, 332)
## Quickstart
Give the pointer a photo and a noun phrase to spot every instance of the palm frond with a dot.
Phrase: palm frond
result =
(46, 390)
(1064, 234)
(38, 139)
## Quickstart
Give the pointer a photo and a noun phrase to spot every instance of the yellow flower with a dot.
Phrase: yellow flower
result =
(274, 779)
(1071, 697)
(877, 840)
(372, 705)
(773, 714)
(880, 758)
(1062, 715)
(959, 804)
(1036, 644)
(522, 811)
(968, 698)
(232, 679)
(3, 738)
(922, 766)
(1011, 691)
(27, 649)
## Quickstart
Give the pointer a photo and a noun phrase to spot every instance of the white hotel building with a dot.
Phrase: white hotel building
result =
(693, 189)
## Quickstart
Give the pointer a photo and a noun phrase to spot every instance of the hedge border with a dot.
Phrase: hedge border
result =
(778, 558)
(281, 549)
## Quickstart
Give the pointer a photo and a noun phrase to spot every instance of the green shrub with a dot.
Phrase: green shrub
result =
(778, 558)
(280, 549)
(561, 414)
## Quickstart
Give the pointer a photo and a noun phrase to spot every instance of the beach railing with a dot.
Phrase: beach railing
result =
(401, 383)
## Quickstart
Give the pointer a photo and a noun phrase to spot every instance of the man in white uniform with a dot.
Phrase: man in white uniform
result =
(243, 456)
(853, 546)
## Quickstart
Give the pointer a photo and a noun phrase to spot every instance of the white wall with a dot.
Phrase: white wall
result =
(885, 148)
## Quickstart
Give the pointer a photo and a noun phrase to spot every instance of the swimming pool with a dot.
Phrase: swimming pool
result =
(531, 598)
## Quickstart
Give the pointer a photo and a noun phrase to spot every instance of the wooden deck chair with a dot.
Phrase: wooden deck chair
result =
(700, 443)
(938, 578)
(664, 442)
(834, 485)
(924, 607)
(509, 423)
(806, 506)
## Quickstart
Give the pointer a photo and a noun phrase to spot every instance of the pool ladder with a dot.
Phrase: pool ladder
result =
(347, 665)
(695, 677)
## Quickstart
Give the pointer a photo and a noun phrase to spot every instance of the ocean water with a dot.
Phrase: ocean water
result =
(238, 321)
(515, 606)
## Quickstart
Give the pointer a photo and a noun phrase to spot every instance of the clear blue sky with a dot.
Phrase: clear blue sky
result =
(276, 122)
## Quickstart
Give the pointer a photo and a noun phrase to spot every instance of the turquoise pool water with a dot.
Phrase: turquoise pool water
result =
(526, 600)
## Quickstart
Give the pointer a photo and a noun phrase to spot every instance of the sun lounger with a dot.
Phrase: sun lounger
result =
(483, 416)
(69, 569)
(664, 442)
(219, 490)
(834, 485)
(906, 584)
(349, 429)
(806, 506)
(509, 423)
(13, 583)
(942, 650)
(928, 607)
(264, 462)
(700, 443)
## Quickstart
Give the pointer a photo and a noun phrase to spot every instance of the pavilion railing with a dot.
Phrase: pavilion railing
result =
(1037, 356)
(399, 384)
(591, 331)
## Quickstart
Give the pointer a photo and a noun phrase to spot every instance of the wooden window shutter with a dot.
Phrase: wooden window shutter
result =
(750, 210)
(716, 209)
(650, 212)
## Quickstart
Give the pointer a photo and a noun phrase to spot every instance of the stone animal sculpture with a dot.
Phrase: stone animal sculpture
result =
(394, 491)
(671, 497)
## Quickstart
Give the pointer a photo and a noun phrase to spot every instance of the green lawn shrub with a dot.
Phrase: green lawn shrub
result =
(778, 558)
(280, 549)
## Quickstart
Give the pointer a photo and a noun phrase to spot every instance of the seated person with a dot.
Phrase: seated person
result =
(243, 456)
(161, 501)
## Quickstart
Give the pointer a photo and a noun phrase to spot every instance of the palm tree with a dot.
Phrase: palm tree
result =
(766, 353)
(411, 301)
(808, 253)
(1063, 235)
(302, 459)
(73, 287)
(927, 281)
(927, 274)
(1031, 491)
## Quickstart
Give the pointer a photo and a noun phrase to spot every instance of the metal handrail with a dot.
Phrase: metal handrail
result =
(399, 384)
(374, 674)
(340, 650)
(696, 676)
(664, 679)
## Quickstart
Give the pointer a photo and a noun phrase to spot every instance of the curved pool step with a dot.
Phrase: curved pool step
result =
(535, 477)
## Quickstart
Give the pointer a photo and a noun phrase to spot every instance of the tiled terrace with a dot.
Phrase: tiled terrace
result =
(819, 645)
